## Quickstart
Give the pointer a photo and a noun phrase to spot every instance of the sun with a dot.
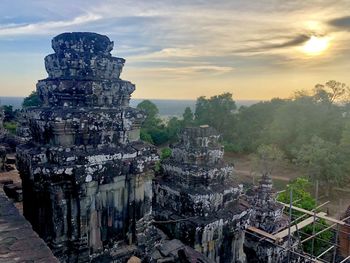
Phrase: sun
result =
(315, 45)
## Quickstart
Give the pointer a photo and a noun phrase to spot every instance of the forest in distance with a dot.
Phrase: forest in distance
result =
(310, 129)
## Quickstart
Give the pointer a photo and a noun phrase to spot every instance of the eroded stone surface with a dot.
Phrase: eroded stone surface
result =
(267, 215)
(197, 200)
(85, 172)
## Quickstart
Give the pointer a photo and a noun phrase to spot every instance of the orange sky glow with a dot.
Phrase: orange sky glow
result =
(255, 50)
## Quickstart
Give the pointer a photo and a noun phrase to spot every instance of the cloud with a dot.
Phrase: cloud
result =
(166, 39)
(169, 53)
(184, 71)
(43, 28)
(341, 22)
(264, 47)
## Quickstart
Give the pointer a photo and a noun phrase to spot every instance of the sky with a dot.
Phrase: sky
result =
(184, 49)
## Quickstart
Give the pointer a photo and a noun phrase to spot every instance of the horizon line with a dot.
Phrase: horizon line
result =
(1, 96)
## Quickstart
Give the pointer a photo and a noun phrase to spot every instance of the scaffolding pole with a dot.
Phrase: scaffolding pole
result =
(327, 218)
(290, 221)
(314, 219)
(305, 256)
(316, 208)
(275, 238)
(345, 259)
(318, 233)
(325, 252)
(336, 242)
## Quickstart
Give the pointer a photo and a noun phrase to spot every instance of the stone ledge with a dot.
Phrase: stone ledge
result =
(18, 241)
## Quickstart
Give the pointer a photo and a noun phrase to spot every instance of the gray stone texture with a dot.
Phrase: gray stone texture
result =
(267, 215)
(197, 200)
(85, 173)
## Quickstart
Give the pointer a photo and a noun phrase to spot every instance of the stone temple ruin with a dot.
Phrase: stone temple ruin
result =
(267, 215)
(199, 199)
(85, 172)
(89, 187)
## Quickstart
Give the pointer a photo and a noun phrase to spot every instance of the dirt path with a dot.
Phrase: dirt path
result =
(249, 173)
(339, 198)
(244, 172)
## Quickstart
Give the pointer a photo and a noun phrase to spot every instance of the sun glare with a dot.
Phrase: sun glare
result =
(316, 45)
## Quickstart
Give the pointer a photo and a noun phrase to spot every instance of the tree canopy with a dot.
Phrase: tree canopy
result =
(311, 129)
(217, 111)
(32, 100)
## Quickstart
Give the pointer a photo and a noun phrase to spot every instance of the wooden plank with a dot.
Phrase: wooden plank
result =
(330, 219)
(300, 225)
(262, 233)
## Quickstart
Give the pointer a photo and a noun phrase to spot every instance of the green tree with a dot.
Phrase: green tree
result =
(9, 113)
(252, 125)
(151, 111)
(32, 100)
(145, 136)
(266, 158)
(173, 128)
(187, 117)
(344, 151)
(152, 129)
(165, 153)
(321, 159)
(11, 127)
(345, 137)
(299, 119)
(217, 111)
(159, 135)
(300, 188)
(331, 92)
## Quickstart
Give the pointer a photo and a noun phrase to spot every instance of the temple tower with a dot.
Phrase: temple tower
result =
(197, 200)
(267, 215)
(85, 173)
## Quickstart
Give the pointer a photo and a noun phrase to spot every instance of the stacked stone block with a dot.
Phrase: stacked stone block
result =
(198, 201)
(85, 173)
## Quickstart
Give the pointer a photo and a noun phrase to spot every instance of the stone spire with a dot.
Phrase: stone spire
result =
(85, 171)
(199, 198)
(267, 212)
(267, 215)
(82, 72)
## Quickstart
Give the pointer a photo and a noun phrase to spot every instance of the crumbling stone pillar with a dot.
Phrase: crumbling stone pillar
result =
(84, 168)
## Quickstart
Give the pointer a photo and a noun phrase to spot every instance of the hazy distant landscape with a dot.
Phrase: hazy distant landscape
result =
(166, 107)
